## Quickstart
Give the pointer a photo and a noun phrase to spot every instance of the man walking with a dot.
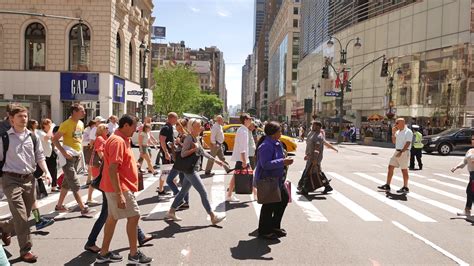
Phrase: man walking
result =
(417, 148)
(402, 137)
(119, 182)
(217, 139)
(166, 136)
(71, 132)
(20, 152)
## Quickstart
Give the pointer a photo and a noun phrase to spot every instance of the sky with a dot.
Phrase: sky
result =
(227, 24)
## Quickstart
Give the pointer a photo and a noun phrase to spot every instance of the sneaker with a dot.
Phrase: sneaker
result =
(93, 203)
(217, 219)
(145, 240)
(44, 223)
(109, 257)
(385, 187)
(403, 190)
(139, 258)
(87, 212)
(232, 199)
(61, 208)
(163, 192)
(172, 217)
(209, 174)
(183, 206)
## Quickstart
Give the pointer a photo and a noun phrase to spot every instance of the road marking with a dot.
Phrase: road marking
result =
(400, 207)
(431, 244)
(447, 184)
(435, 190)
(314, 215)
(452, 178)
(354, 207)
(218, 195)
(435, 203)
(465, 175)
(256, 206)
(417, 175)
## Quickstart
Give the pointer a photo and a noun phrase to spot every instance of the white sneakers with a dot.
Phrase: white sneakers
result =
(172, 216)
(231, 199)
(217, 219)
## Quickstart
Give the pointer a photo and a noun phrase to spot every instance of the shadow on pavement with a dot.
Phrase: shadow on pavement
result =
(85, 258)
(253, 249)
(174, 228)
(400, 197)
(234, 205)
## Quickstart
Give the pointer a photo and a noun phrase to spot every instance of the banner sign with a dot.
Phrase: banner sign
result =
(332, 93)
(79, 86)
(119, 90)
(159, 32)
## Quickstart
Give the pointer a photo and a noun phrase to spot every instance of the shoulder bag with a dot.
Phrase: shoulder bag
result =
(268, 190)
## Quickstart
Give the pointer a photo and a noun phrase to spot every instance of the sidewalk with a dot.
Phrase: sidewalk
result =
(361, 142)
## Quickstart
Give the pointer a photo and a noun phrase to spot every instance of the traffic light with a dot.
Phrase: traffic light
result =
(384, 71)
(348, 86)
(325, 72)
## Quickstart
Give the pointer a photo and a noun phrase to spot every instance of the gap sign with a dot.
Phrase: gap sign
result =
(79, 86)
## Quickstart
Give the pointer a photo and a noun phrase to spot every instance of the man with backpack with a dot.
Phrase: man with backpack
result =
(18, 163)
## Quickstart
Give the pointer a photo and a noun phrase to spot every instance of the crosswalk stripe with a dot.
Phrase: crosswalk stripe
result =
(218, 195)
(160, 210)
(452, 178)
(431, 244)
(314, 215)
(435, 203)
(354, 207)
(400, 207)
(72, 204)
(447, 184)
(417, 175)
(257, 207)
(435, 190)
(465, 175)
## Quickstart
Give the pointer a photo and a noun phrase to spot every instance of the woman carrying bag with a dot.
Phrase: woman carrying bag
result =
(270, 178)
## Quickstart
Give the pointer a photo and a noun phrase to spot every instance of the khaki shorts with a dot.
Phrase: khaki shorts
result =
(71, 180)
(402, 161)
(131, 205)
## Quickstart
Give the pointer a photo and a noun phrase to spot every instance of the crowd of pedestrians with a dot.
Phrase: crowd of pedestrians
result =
(32, 152)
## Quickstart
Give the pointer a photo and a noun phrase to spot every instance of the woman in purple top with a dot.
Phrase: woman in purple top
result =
(271, 162)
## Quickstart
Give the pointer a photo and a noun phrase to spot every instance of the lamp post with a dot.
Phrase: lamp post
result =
(314, 98)
(343, 62)
(143, 80)
(390, 114)
(448, 106)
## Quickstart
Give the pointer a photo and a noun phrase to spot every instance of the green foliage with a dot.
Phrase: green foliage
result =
(207, 105)
(176, 89)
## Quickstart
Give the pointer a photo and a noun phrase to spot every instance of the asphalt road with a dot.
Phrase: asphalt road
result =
(354, 225)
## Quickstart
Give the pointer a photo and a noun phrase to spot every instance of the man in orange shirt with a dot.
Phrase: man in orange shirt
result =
(119, 182)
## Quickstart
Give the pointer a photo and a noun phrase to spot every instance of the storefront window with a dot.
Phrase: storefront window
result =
(35, 47)
(118, 46)
(79, 48)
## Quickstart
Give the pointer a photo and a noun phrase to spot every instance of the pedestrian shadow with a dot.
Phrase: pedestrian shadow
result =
(317, 196)
(253, 249)
(234, 205)
(469, 219)
(175, 228)
(150, 200)
(400, 197)
(85, 258)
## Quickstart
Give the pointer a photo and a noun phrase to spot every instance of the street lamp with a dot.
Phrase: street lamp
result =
(343, 62)
(314, 98)
(143, 82)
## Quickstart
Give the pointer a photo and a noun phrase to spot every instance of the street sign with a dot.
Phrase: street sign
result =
(332, 93)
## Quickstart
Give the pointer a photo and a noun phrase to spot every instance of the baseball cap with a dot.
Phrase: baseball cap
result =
(99, 119)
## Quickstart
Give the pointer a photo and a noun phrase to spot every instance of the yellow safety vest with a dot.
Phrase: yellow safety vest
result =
(418, 138)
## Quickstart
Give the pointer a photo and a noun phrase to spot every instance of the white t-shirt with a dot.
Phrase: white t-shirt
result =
(85, 136)
(92, 133)
(112, 127)
(241, 144)
(47, 148)
(402, 136)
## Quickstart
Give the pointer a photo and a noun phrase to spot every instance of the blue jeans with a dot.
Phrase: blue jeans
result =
(192, 180)
(169, 181)
(100, 223)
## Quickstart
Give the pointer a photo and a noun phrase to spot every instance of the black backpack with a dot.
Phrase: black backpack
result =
(6, 144)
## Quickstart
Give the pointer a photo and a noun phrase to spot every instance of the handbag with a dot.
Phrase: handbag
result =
(96, 161)
(41, 191)
(185, 164)
(243, 181)
(268, 190)
(95, 183)
(288, 189)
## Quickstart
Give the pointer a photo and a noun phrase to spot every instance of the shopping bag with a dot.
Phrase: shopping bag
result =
(288, 189)
(243, 181)
(268, 190)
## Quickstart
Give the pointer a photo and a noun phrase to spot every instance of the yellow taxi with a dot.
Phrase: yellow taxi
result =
(289, 143)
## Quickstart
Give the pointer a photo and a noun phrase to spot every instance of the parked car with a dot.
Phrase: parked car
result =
(289, 143)
(155, 132)
(449, 140)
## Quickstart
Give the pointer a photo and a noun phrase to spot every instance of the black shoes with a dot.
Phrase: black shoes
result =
(385, 187)
(269, 236)
(403, 190)
(280, 232)
(327, 189)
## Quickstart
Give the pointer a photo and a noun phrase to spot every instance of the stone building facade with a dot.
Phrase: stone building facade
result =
(46, 65)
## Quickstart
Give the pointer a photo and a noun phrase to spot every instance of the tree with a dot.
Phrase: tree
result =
(176, 89)
(207, 105)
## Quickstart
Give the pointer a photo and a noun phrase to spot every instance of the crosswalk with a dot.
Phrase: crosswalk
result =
(441, 191)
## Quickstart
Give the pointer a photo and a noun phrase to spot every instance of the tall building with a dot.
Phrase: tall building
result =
(248, 93)
(262, 46)
(283, 64)
(314, 25)
(259, 17)
(431, 42)
(46, 65)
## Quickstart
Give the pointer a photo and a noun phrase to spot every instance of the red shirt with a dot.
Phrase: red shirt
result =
(118, 150)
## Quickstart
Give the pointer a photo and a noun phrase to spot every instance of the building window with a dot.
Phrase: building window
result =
(118, 58)
(133, 2)
(79, 48)
(295, 23)
(130, 61)
(295, 11)
(35, 47)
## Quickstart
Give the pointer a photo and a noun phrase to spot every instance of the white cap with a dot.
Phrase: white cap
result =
(99, 119)
(415, 126)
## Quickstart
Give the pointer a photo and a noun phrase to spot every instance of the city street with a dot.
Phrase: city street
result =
(353, 225)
